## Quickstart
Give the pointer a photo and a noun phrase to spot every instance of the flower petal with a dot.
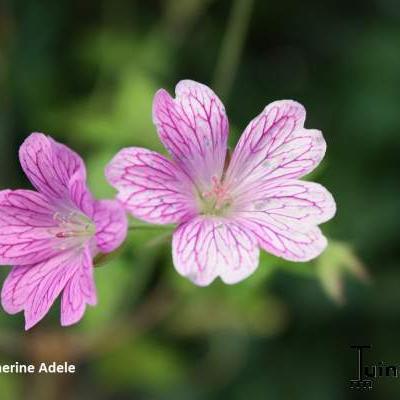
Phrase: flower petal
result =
(205, 248)
(34, 288)
(26, 227)
(79, 196)
(275, 145)
(49, 165)
(150, 186)
(79, 291)
(194, 129)
(283, 215)
(111, 225)
(289, 201)
(287, 239)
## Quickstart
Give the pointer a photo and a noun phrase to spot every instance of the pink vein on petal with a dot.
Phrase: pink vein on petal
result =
(275, 145)
(205, 248)
(194, 129)
(151, 187)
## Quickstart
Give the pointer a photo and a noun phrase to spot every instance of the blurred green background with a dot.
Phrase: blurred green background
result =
(85, 71)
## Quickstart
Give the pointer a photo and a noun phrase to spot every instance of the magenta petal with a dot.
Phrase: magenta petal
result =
(275, 145)
(34, 288)
(111, 225)
(194, 129)
(78, 292)
(26, 227)
(150, 186)
(79, 196)
(205, 248)
(49, 165)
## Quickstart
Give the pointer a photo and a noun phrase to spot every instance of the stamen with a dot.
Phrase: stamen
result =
(215, 200)
(73, 225)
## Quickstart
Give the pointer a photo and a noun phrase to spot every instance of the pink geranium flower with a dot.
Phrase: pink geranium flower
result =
(52, 235)
(227, 209)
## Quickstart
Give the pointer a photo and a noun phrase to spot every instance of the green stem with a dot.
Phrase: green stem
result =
(102, 258)
(138, 225)
(232, 46)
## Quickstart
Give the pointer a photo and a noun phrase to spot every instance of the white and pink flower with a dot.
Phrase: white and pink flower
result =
(227, 209)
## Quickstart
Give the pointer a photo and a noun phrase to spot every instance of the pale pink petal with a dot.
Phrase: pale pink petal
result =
(49, 165)
(194, 129)
(275, 145)
(205, 248)
(34, 288)
(27, 227)
(111, 225)
(284, 237)
(288, 201)
(283, 215)
(78, 292)
(151, 187)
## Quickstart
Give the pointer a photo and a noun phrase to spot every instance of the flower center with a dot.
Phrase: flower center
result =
(73, 225)
(215, 201)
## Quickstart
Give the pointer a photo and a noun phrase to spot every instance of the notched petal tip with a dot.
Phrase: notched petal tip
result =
(161, 100)
(207, 248)
(288, 108)
(193, 127)
(35, 136)
(275, 145)
(185, 85)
